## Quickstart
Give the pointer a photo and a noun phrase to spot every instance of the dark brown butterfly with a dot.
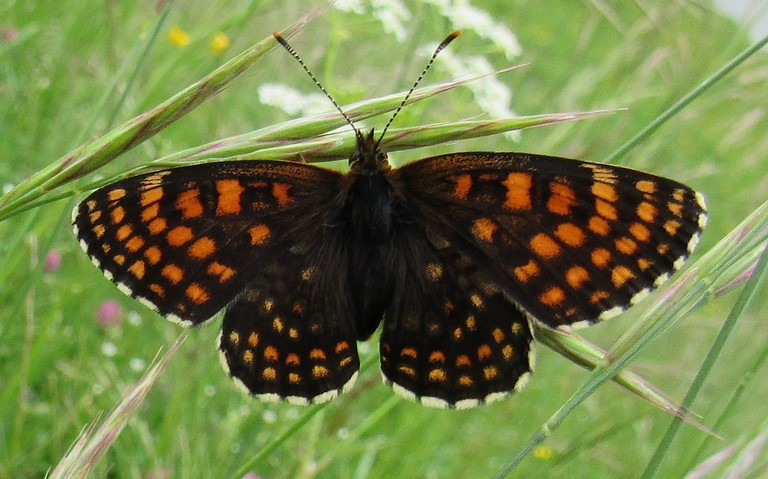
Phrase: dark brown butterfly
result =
(456, 255)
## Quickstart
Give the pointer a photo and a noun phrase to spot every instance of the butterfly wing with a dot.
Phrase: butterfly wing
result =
(189, 241)
(450, 337)
(185, 241)
(570, 242)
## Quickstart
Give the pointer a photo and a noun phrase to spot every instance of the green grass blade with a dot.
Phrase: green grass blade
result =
(744, 300)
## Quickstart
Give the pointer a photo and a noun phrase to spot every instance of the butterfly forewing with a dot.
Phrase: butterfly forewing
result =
(574, 241)
(186, 241)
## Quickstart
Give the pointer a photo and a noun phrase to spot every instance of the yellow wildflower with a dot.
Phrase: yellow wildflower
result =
(219, 43)
(178, 37)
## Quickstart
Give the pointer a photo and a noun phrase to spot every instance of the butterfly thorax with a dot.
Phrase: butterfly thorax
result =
(371, 216)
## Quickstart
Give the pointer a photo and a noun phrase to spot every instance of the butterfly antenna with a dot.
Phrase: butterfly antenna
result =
(439, 48)
(282, 41)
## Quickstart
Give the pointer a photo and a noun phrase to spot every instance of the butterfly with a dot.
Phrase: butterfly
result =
(454, 256)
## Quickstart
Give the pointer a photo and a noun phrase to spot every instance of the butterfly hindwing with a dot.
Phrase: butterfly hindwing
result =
(186, 241)
(576, 241)
(284, 336)
(450, 337)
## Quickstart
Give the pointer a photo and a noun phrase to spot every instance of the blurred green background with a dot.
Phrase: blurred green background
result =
(70, 343)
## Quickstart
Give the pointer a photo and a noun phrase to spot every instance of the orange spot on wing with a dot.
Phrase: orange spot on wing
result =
(437, 375)
(153, 254)
(197, 294)
(137, 269)
(317, 354)
(179, 235)
(570, 234)
(228, 202)
(561, 199)
(490, 372)
(437, 357)
(625, 245)
(671, 227)
(544, 246)
(576, 276)
(202, 248)
(409, 352)
(484, 352)
(463, 360)
(271, 354)
(675, 208)
(644, 264)
(483, 229)
(172, 273)
(646, 186)
(605, 191)
(116, 194)
(606, 210)
(646, 212)
(151, 195)
(599, 226)
(463, 183)
(150, 212)
(518, 191)
(527, 271)
(189, 204)
(498, 335)
(123, 232)
(253, 339)
(134, 244)
(292, 359)
(157, 226)
(224, 272)
(157, 289)
(259, 234)
(553, 296)
(280, 193)
(598, 296)
(99, 230)
(620, 275)
(601, 257)
(640, 232)
(117, 215)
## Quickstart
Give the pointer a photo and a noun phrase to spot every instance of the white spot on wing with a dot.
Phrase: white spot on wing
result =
(438, 403)
(610, 313)
(639, 296)
(467, 404)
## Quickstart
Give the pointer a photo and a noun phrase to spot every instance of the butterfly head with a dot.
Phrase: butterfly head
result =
(368, 159)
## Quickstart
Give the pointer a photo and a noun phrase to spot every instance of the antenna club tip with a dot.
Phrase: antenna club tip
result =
(278, 37)
(454, 34)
